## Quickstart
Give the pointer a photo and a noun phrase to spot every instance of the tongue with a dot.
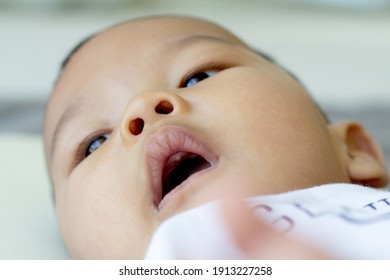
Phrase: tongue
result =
(180, 168)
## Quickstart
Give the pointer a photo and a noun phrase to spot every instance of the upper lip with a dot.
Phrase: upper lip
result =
(166, 149)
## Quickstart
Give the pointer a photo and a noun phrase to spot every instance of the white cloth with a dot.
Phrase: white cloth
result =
(347, 221)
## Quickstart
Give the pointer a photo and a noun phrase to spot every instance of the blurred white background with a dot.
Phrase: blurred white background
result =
(340, 49)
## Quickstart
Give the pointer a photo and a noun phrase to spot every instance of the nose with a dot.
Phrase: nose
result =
(147, 108)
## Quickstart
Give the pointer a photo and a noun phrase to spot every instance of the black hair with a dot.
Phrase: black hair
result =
(74, 50)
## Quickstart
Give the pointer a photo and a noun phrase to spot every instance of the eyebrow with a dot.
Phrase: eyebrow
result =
(193, 39)
(68, 115)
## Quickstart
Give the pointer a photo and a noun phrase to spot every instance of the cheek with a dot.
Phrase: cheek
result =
(272, 128)
(251, 106)
(101, 218)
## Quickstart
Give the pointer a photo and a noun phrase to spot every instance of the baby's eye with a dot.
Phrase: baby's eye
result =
(96, 143)
(198, 77)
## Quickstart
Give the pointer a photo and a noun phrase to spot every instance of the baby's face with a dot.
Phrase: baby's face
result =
(154, 117)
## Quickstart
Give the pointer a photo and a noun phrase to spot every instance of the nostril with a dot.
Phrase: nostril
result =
(136, 126)
(164, 107)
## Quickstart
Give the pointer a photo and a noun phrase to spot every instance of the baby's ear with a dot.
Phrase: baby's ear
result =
(366, 163)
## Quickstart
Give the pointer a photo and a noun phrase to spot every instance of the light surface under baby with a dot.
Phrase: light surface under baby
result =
(150, 98)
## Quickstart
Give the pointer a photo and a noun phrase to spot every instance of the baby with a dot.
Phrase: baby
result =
(156, 116)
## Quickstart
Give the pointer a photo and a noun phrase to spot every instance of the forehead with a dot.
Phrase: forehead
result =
(140, 36)
(162, 29)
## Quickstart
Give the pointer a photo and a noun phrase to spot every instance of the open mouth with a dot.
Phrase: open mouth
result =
(179, 167)
(175, 156)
